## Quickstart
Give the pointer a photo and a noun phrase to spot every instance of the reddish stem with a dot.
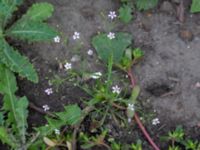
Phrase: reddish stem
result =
(133, 82)
(144, 131)
(142, 128)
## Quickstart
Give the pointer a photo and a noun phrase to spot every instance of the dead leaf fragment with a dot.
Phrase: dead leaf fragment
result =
(49, 142)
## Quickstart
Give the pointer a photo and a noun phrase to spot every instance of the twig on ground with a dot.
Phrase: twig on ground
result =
(41, 111)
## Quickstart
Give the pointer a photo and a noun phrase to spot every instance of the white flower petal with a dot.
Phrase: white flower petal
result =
(68, 66)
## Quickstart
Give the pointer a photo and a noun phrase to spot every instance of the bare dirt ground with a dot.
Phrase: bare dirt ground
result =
(167, 75)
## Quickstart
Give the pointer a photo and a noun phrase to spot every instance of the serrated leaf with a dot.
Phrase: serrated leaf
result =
(32, 31)
(7, 7)
(146, 4)
(125, 13)
(38, 12)
(195, 7)
(7, 81)
(15, 108)
(16, 62)
(71, 115)
(106, 47)
(22, 114)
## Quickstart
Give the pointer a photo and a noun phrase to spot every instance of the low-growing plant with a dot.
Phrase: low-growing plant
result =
(179, 141)
(14, 113)
(30, 27)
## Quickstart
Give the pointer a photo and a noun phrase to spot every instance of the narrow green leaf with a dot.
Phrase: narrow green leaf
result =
(32, 31)
(1, 118)
(16, 62)
(195, 7)
(38, 12)
(134, 95)
(22, 114)
(116, 47)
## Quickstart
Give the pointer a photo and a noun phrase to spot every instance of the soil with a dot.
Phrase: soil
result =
(167, 75)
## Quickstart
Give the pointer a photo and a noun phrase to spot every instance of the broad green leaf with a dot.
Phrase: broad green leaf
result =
(38, 12)
(146, 4)
(48, 129)
(5, 137)
(7, 8)
(54, 123)
(16, 62)
(106, 47)
(32, 31)
(195, 7)
(125, 13)
(71, 115)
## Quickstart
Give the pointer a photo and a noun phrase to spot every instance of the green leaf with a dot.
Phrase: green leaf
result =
(71, 115)
(7, 81)
(38, 12)
(146, 4)
(138, 53)
(16, 109)
(125, 13)
(32, 31)
(50, 127)
(5, 137)
(16, 62)
(132, 101)
(1, 118)
(8, 87)
(106, 47)
(195, 7)
(134, 95)
(7, 7)
(21, 116)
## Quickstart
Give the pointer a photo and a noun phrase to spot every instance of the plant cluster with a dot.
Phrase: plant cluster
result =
(107, 100)
(30, 27)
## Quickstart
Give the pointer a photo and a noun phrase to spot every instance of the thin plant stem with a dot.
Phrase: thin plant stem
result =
(141, 126)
